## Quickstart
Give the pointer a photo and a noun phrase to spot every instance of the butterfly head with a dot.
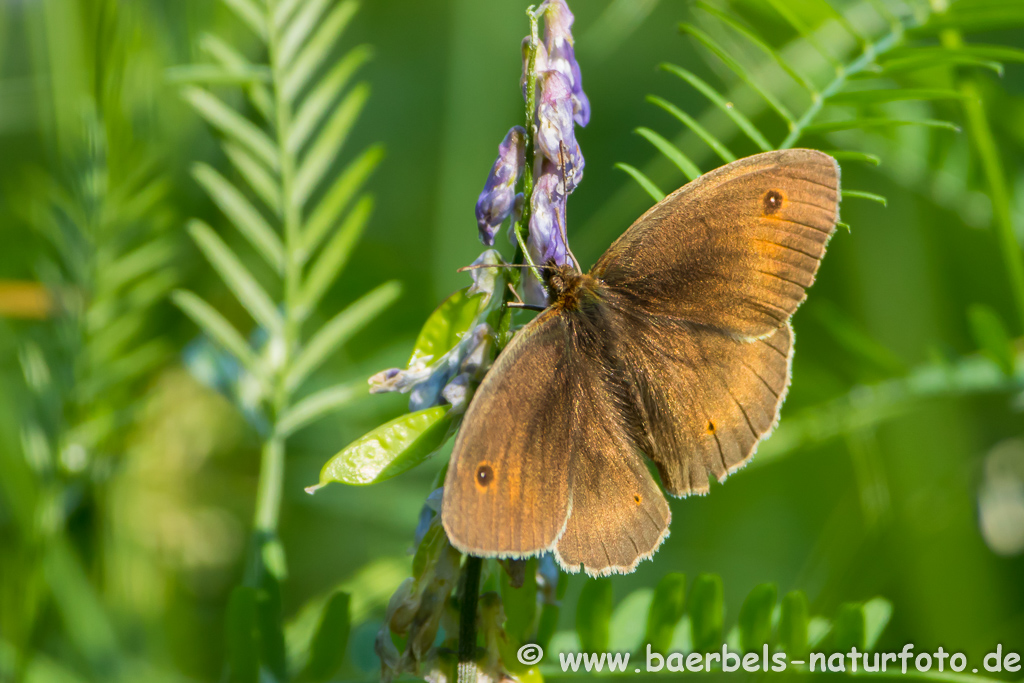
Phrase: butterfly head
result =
(564, 282)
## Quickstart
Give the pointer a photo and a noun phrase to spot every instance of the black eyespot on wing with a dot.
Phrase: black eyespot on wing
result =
(637, 498)
(711, 427)
(484, 476)
(772, 202)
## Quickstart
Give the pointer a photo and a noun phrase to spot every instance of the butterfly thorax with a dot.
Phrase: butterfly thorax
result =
(568, 286)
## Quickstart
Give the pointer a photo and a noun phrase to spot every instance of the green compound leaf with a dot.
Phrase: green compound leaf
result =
(445, 327)
(756, 617)
(793, 622)
(707, 612)
(594, 614)
(666, 610)
(390, 449)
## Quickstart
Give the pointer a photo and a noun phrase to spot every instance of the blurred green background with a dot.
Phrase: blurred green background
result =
(882, 480)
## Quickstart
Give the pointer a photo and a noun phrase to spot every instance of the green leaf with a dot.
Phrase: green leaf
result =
(241, 638)
(260, 180)
(283, 11)
(646, 183)
(337, 198)
(905, 64)
(232, 124)
(738, 69)
(851, 155)
(239, 280)
(335, 256)
(593, 615)
(233, 60)
(877, 612)
(672, 152)
(793, 621)
(991, 336)
(317, 405)
(215, 74)
(707, 612)
(327, 651)
(318, 49)
(390, 449)
(667, 609)
(756, 40)
(249, 221)
(756, 617)
(249, 11)
(299, 29)
(339, 329)
(445, 327)
(854, 124)
(327, 146)
(863, 97)
(216, 326)
(691, 123)
(520, 603)
(632, 610)
(326, 92)
(794, 20)
(848, 630)
(134, 264)
(870, 196)
(726, 107)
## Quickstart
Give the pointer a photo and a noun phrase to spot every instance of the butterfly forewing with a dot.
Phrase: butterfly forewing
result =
(736, 248)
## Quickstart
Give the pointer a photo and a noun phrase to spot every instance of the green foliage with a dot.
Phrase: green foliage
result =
(667, 607)
(390, 449)
(594, 614)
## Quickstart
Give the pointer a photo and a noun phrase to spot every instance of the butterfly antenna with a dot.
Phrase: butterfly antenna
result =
(478, 266)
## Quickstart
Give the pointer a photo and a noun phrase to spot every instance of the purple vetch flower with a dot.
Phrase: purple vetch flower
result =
(447, 379)
(547, 240)
(556, 133)
(498, 199)
(560, 55)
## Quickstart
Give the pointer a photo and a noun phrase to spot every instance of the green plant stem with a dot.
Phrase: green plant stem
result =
(992, 165)
(521, 228)
(865, 60)
(467, 618)
(272, 465)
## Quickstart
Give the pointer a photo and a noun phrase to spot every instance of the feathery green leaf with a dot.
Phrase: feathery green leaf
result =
(727, 108)
(238, 279)
(683, 162)
(327, 146)
(327, 213)
(216, 326)
(232, 124)
(645, 182)
(249, 221)
(332, 260)
(339, 329)
(691, 123)
(318, 49)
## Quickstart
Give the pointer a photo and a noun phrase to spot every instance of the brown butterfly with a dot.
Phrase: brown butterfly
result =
(675, 346)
